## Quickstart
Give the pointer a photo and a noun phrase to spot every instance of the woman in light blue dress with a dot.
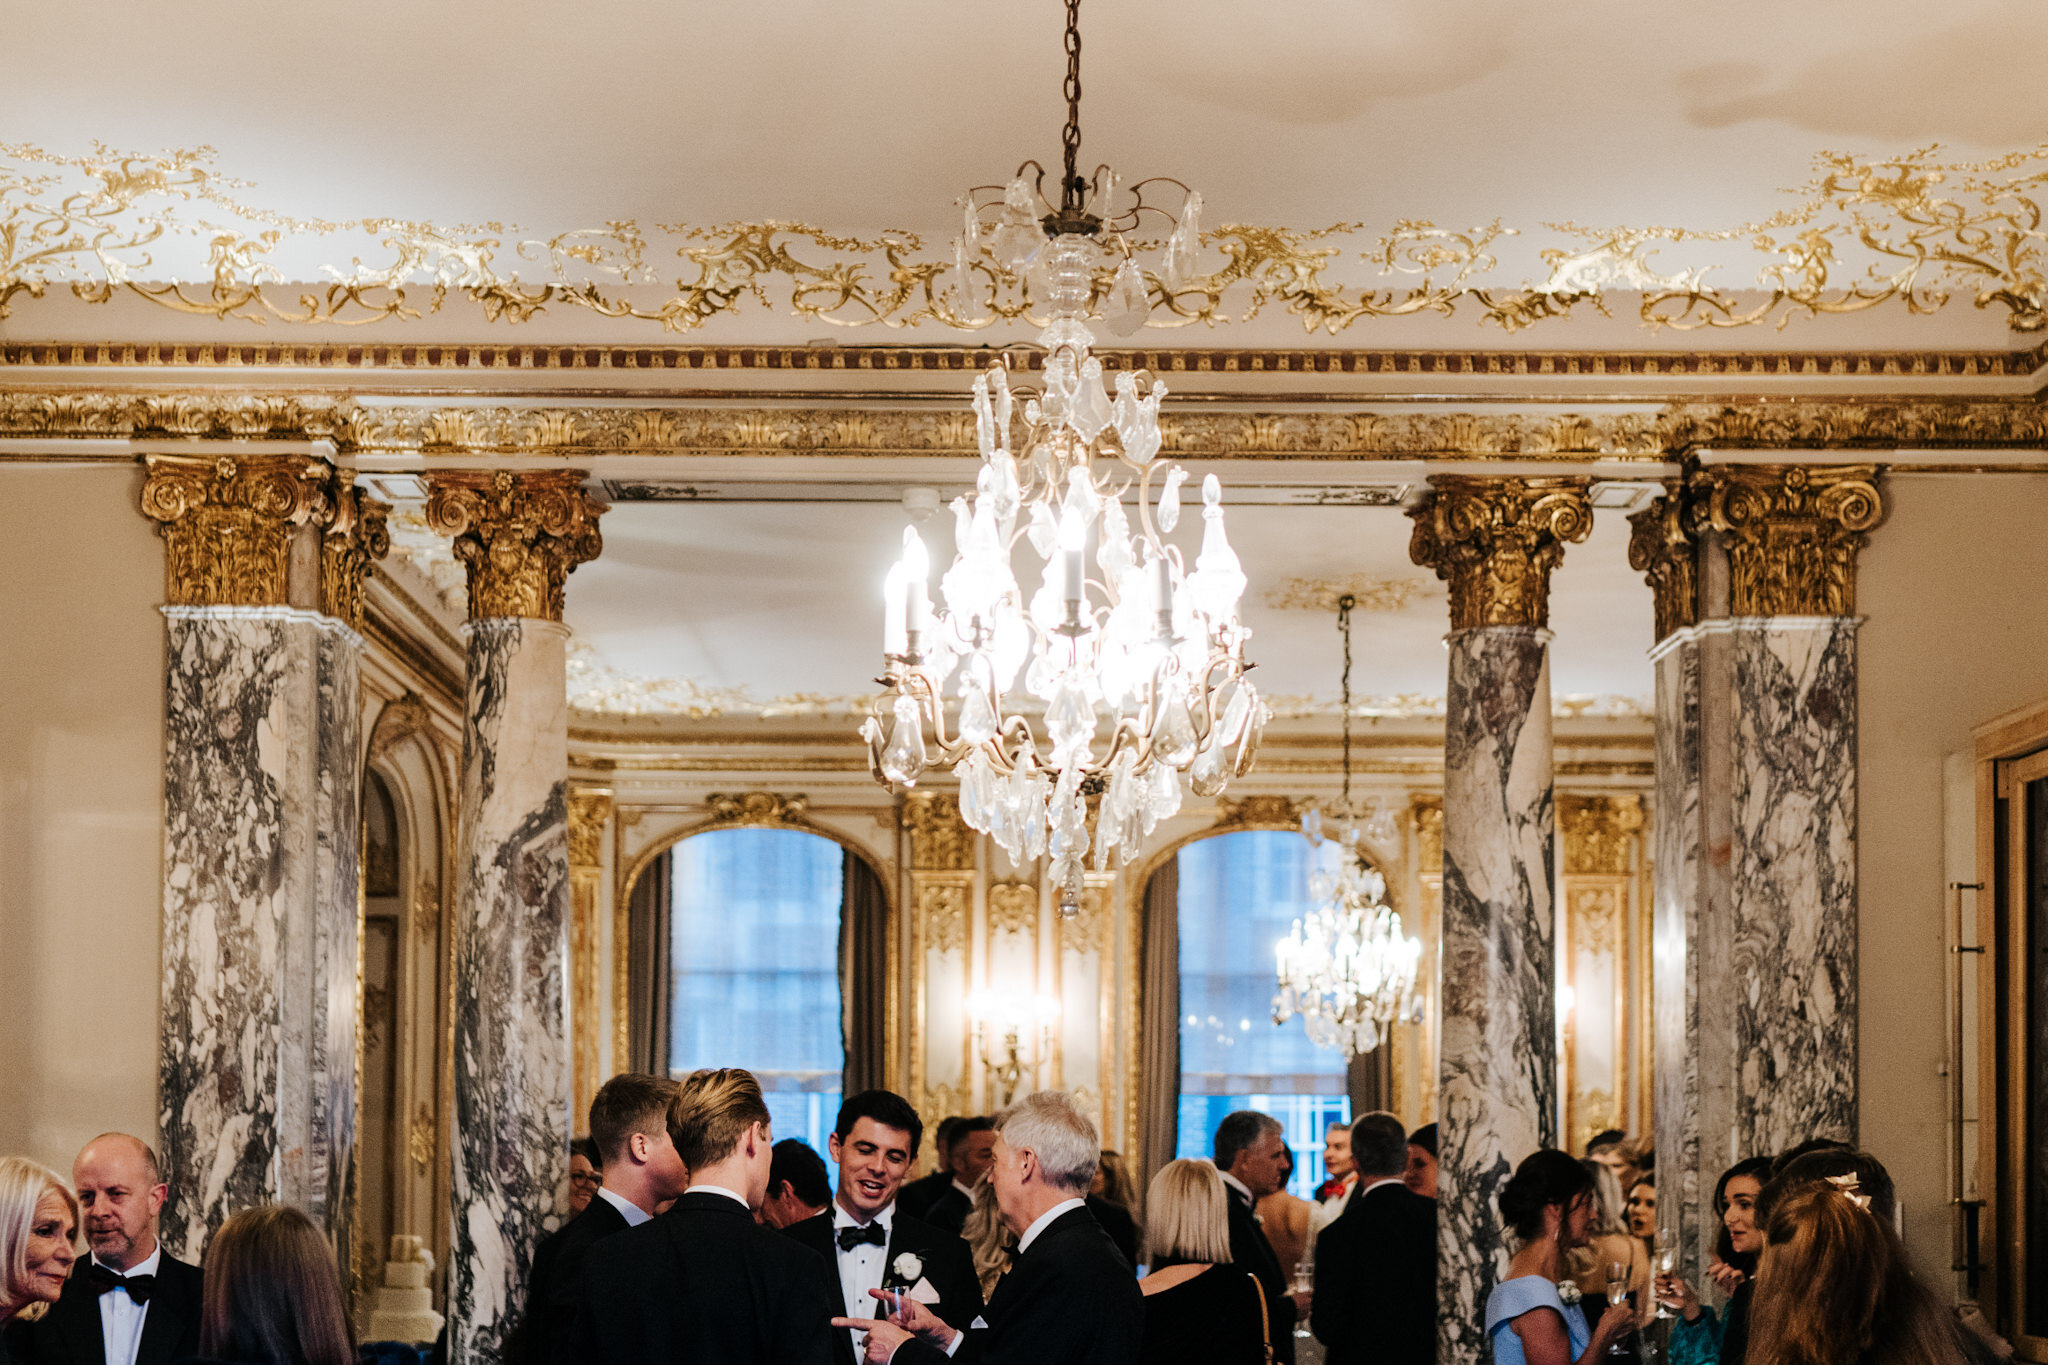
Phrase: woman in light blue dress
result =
(1548, 1206)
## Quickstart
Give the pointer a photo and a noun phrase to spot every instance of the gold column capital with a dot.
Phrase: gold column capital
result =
(518, 535)
(1663, 546)
(1791, 531)
(590, 810)
(939, 839)
(355, 536)
(1495, 541)
(1595, 832)
(227, 523)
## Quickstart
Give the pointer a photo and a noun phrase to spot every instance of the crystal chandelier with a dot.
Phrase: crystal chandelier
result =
(1346, 968)
(1138, 662)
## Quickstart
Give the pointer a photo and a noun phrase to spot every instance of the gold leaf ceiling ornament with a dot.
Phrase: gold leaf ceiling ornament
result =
(1369, 592)
(1908, 229)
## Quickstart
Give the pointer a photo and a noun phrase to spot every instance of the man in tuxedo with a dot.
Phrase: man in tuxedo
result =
(1375, 1297)
(1251, 1152)
(1069, 1299)
(974, 1141)
(797, 1187)
(871, 1243)
(629, 1128)
(131, 1302)
(704, 1281)
(1335, 1195)
(917, 1196)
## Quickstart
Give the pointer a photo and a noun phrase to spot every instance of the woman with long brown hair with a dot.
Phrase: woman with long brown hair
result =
(1833, 1288)
(273, 1293)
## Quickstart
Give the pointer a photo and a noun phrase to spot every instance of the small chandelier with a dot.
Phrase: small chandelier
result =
(1346, 968)
(1138, 662)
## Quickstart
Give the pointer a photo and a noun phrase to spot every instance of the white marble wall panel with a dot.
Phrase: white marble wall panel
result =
(1498, 1101)
(512, 1074)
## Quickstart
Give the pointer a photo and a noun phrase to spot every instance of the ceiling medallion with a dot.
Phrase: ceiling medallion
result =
(1150, 650)
(1346, 967)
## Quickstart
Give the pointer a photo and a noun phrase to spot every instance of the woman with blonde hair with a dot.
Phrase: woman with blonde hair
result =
(1833, 1288)
(989, 1242)
(38, 1222)
(273, 1293)
(1197, 1306)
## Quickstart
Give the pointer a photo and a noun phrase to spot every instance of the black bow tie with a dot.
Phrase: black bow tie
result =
(105, 1281)
(874, 1235)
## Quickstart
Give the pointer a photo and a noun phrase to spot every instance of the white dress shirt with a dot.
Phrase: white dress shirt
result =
(861, 1268)
(121, 1317)
(628, 1210)
(1242, 1189)
(1038, 1224)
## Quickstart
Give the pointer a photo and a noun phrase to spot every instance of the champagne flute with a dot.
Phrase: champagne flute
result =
(1305, 1283)
(1617, 1294)
(1667, 1260)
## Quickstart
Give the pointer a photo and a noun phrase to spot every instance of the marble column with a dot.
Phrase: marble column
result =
(1754, 567)
(1495, 541)
(256, 1078)
(518, 535)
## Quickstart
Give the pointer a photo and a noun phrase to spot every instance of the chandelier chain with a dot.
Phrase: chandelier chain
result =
(1070, 190)
(1344, 606)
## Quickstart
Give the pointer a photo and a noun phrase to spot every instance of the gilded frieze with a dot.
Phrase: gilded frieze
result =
(518, 535)
(228, 522)
(1258, 812)
(1495, 541)
(1792, 533)
(759, 808)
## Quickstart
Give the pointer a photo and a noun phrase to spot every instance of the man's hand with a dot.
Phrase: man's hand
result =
(883, 1337)
(909, 1313)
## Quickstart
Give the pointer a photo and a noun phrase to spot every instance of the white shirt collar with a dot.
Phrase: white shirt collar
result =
(628, 1210)
(1364, 1190)
(967, 1190)
(842, 1219)
(733, 1195)
(146, 1266)
(1038, 1224)
(1237, 1185)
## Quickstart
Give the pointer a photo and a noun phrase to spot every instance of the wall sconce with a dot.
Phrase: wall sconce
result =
(1005, 1015)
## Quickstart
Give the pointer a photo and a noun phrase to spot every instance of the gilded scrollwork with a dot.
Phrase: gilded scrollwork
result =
(518, 535)
(1495, 540)
(590, 810)
(759, 808)
(1663, 546)
(1427, 811)
(942, 910)
(1598, 833)
(939, 839)
(1258, 812)
(1013, 908)
(227, 523)
(1910, 230)
(356, 536)
(1792, 533)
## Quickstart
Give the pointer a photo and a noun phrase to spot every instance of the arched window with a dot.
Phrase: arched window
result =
(1239, 895)
(754, 951)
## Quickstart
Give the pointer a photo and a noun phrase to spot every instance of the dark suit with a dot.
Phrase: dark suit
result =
(1069, 1300)
(947, 1264)
(1376, 1280)
(702, 1284)
(917, 1196)
(69, 1334)
(1118, 1223)
(557, 1275)
(1249, 1250)
(948, 1213)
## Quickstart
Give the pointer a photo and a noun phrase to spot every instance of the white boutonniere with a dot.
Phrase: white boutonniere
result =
(1568, 1292)
(909, 1267)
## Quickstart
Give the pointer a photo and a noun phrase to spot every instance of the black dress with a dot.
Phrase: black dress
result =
(1215, 1317)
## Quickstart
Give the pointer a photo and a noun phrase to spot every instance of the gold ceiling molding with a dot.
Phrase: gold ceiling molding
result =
(1911, 231)
(1368, 592)
(946, 358)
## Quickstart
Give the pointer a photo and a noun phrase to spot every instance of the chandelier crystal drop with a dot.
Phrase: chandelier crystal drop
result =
(1130, 655)
(1346, 967)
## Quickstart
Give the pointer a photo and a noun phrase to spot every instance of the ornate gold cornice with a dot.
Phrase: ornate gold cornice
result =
(355, 537)
(939, 839)
(759, 808)
(1495, 541)
(590, 810)
(227, 523)
(1595, 832)
(1258, 812)
(1663, 546)
(1791, 531)
(518, 535)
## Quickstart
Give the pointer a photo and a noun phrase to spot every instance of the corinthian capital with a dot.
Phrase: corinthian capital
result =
(1792, 532)
(355, 537)
(227, 523)
(1663, 546)
(519, 535)
(1495, 541)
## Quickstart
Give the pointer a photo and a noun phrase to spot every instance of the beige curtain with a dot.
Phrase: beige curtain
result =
(864, 974)
(647, 967)
(1159, 1024)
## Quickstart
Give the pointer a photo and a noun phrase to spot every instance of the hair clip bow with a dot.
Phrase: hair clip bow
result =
(1849, 1186)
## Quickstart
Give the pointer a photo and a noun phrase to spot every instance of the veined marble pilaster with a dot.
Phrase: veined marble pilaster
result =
(1495, 541)
(1681, 957)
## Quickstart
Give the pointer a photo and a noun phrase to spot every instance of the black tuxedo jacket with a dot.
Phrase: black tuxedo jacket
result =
(1118, 1223)
(703, 1284)
(1376, 1280)
(1249, 1250)
(917, 1196)
(557, 1275)
(1069, 1300)
(69, 1334)
(948, 1212)
(947, 1264)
